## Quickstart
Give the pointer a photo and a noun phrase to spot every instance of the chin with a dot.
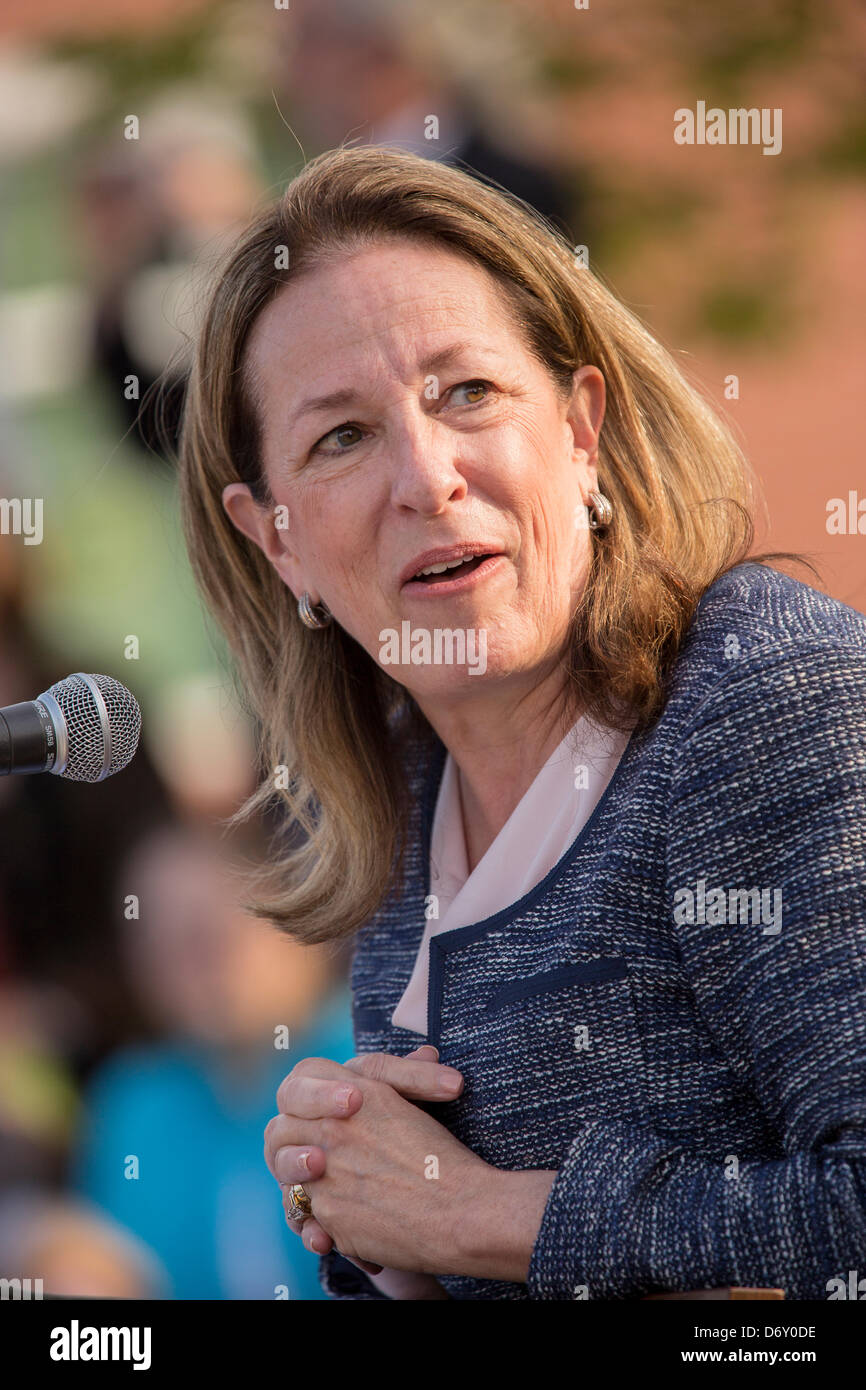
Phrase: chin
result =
(440, 682)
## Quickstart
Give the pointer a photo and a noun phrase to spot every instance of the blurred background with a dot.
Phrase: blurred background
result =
(145, 1020)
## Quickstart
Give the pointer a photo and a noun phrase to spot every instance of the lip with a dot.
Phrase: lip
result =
(444, 588)
(464, 551)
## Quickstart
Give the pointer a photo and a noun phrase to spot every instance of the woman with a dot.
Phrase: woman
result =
(586, 784)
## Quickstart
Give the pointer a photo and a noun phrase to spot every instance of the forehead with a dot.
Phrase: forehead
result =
(398, 298)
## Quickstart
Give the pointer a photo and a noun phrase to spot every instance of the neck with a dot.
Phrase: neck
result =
(500, 740)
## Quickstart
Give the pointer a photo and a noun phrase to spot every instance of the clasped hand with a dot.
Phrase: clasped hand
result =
(387, 1183)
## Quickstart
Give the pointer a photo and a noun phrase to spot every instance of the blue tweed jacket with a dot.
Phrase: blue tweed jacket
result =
(674, 1019)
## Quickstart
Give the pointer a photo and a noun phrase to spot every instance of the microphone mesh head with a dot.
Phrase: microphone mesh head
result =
(84, 723)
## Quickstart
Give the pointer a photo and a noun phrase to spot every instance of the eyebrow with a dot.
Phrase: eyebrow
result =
(435, 361)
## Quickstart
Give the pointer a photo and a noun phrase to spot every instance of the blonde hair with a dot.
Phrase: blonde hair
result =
(681, 491)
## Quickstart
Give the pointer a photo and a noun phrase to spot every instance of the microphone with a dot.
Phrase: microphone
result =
(84, 727)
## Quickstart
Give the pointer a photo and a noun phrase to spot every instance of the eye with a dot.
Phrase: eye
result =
(341, 432)
(338, 434)
(470, 386)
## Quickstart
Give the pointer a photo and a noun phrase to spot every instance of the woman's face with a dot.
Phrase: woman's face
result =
(402, 412)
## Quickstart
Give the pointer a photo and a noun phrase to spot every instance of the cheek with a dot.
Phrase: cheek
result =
(331, 532)
(541, 482)
(553, 545)
(342, 547)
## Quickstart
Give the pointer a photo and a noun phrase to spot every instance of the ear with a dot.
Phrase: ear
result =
(585, 417)
(259, 522)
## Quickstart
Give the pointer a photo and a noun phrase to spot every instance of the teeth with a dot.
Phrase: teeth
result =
(445, 565)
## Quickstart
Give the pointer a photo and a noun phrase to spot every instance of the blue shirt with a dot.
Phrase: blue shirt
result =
(203, 1199)
(674, 1018)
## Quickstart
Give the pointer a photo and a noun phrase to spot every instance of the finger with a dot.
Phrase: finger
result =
(425, 1047)
(416, 1078)
(296, 1162)
(315, 1237)
(317, 1240)
(321, 1067)
(294, 1223)
(313, 1098)
(282, 1130)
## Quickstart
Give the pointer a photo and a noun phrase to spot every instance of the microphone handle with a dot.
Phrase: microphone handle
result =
(28, 742)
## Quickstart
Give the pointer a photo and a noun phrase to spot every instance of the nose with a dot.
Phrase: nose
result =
(426, 471)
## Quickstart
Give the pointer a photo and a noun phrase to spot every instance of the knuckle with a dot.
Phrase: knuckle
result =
(284, 1094)
(282, 1165)
(288, 1084)
(369, 1064)
(308, 1065)
(271, 1129)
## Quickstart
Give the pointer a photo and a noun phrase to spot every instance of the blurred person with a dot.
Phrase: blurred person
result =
(145, 216)
(123, 228)
(61, 843)
(203, 748)
(72, 1248)
(222, 990)
(354, 70)
(544, 851)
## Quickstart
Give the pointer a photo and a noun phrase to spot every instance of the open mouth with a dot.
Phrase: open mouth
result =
(443, 573)
(455, 577)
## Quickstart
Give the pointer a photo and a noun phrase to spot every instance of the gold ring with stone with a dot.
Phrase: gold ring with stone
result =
(299, 1202)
